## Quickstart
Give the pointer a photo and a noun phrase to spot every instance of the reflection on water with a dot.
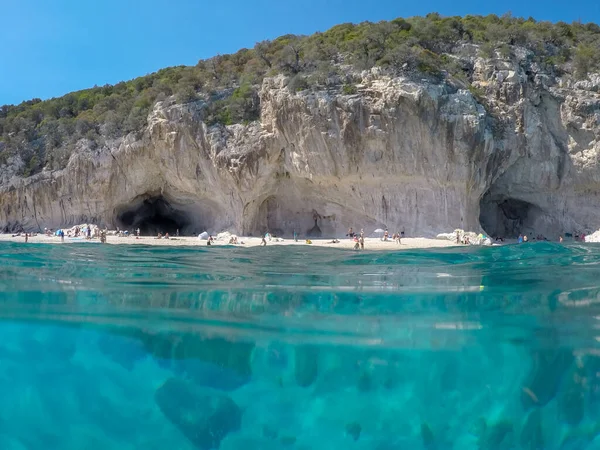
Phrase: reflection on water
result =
(113, 347)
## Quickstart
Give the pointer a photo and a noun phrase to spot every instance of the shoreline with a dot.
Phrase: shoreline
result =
(371, 243)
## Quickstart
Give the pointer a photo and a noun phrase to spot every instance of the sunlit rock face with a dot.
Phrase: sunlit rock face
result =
(419, 156)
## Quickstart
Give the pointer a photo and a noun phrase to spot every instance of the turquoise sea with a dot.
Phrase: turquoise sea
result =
(132, 347)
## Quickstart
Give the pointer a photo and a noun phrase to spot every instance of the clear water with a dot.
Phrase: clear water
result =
(126, 347)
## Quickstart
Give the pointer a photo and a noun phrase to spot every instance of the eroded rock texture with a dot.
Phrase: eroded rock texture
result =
(521, 156)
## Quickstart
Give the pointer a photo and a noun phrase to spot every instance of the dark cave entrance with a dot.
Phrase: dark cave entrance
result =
(152, 216)
(507, 217)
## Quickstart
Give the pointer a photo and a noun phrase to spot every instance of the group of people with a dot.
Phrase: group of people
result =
(359, 239)
(578, 237)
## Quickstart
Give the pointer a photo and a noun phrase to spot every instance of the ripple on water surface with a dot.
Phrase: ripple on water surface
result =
(126, 347)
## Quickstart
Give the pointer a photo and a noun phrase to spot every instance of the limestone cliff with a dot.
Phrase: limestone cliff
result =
(423, 156)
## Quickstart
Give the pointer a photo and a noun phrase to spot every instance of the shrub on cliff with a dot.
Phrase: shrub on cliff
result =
(587, 59)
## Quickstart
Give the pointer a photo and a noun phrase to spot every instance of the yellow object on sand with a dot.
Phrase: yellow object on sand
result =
(308, 241)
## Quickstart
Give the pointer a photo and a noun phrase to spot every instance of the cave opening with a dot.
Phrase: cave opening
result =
(154, 215)
(508, 217)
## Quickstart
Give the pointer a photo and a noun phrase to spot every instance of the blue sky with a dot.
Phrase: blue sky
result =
(54, 47)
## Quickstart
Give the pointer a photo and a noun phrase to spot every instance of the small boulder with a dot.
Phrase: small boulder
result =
(203, 415)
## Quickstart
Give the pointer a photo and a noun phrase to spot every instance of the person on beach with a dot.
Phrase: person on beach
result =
(263, 242)
(103, 236)
(520, 239)
(137, 232)
(166, 235)
(361, 241)
(295, 236)
(61, 233)
(560, 239)
(356, 243)
(89, 232)
(26, 237)
(350, 233)
(386, 235)
(177, 234)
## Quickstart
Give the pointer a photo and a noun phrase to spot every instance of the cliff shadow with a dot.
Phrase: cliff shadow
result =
(154, 214)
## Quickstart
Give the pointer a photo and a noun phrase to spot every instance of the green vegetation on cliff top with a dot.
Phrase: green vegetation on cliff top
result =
(44, 133)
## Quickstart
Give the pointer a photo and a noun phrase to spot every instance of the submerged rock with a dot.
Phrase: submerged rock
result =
(571, 398)
(365, 382)
(209, 374)
(353, 430)
(203, 415)
(306, 365)
(496, 435)
(531, 434)
(544, 379)
(428, 437)
(123, 350)
(213, 362)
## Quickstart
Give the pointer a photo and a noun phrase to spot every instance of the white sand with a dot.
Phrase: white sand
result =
(370, 243)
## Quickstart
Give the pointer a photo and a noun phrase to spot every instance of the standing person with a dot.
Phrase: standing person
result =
(89, 232)
(362, 241)
(26, 237)
(61, 233)
(386, 235)
(138, 232)
(295, 236)
(177, 234)
(263, 242)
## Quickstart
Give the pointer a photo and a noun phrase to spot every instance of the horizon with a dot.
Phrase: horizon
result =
(86, 65)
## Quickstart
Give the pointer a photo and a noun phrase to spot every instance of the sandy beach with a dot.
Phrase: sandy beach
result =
(370, 243)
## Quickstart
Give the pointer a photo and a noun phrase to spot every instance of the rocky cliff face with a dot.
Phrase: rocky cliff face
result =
(425, 157)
